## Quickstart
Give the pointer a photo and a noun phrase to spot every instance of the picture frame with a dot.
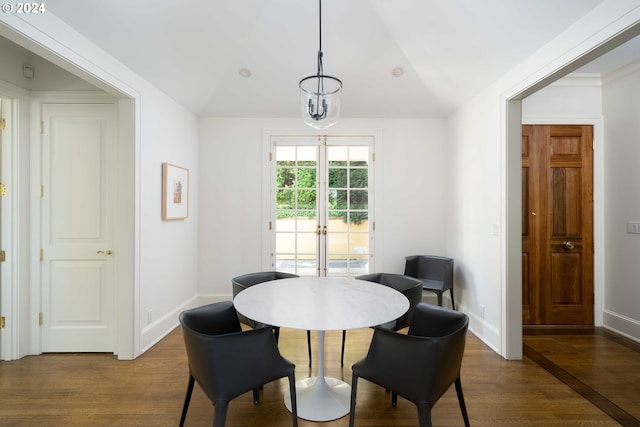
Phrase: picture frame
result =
(175, 192)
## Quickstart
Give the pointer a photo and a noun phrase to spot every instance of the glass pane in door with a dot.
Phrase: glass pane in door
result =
(296, 238)
(347, 239)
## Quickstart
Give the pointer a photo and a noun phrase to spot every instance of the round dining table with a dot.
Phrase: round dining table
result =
(321, 304)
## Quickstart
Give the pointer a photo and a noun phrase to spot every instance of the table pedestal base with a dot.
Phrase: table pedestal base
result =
(321, 399)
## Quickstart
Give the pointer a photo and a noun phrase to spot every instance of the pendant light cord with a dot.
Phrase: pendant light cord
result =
(320, 67)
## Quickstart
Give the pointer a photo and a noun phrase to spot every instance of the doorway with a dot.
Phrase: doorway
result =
(321, 216)
(78, 209)
(557, 225)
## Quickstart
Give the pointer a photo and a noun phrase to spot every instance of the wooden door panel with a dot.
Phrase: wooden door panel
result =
(566, 203)
(558, 224)
(566, 280)
(526, 212)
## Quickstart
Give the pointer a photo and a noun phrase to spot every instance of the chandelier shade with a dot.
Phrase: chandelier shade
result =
(320, 100)
(320, 94)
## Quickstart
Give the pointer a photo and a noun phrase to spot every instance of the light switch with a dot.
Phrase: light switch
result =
(633, 227)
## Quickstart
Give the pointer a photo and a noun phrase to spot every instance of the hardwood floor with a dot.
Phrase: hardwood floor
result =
(602, 367)
(97, 390)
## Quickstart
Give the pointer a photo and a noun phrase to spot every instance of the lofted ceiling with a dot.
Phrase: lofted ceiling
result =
(193, 49)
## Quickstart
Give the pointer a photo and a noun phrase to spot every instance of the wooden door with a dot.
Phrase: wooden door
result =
(77, 228)
(557, 225)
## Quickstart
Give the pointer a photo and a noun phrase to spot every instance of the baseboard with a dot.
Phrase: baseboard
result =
(485, 332)
(622, 325)
(154, 332)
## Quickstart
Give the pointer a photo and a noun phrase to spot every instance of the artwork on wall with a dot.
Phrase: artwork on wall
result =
(175, 192)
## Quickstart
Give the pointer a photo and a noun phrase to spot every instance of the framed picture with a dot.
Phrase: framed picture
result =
(175, 192)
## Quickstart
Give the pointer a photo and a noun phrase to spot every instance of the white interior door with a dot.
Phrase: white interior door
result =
(77, 227)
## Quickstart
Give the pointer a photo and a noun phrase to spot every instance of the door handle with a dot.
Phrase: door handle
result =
(107, 252)
(568, 245)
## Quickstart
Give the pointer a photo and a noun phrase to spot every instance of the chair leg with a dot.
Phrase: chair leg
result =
(294, 399)
(352, 410)
(187, 399)
(453, 303)
(344, 338)
(220, 413)
(424, 415)
(439, 298)
(276, 333)
(463, 407)
(394, 399)
(256, 396)
(309, 345)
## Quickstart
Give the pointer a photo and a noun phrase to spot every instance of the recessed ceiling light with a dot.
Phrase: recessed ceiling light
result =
(397, 72)
(244, 72)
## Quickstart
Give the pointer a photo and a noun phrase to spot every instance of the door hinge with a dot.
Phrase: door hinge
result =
(373, 226)
(40, 318)
(2, 322)
(373, 156)
(270, 156)
(3, 256)
(270, 225)
(41, 191)
(41, 254)
(41, 127)
(3, 124)
(593, 144)
(3, 190)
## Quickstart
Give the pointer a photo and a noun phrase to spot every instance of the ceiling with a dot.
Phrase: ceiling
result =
(193, 50)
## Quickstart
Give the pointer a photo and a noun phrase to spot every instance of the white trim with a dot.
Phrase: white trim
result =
(9, 230)
(622, 325)
(14, 226)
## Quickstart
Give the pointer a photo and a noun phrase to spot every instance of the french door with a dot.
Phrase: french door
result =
(321, 205)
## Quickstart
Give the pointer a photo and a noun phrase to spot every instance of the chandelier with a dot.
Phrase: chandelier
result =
(320, 94)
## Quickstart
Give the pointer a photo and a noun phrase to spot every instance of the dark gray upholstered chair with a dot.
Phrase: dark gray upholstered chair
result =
(227, 362)
(410, 288)
(419, 366)
(436, 273)
(242, 282)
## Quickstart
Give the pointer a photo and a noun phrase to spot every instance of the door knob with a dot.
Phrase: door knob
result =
(107, 252)
(568, 245)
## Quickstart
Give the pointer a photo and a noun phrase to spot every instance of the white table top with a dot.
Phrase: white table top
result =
(321, 303)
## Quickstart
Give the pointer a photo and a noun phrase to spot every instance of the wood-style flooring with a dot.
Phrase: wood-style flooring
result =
(81, 390)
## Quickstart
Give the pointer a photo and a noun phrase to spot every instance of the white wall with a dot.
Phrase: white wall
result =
(485, 172)
(162, 261)
(621, 103)
(577, 96)
(410, 212)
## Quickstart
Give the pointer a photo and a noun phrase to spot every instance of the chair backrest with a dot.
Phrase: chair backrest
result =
(409, 286)
(213, 319)
(240, 283)
(430, 267)
(446, 330)
(225, 361)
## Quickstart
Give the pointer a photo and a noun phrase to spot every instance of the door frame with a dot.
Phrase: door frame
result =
(126, 336)
(598, 201)
(129, 138)
(269, 134)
